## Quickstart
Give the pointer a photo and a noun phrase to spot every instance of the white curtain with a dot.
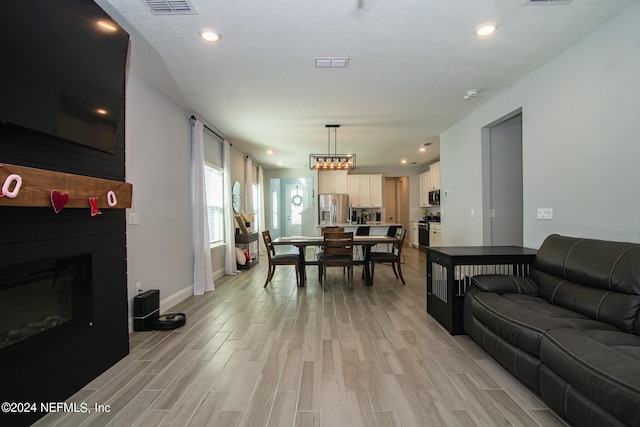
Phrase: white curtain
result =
(248, 185)
(229, 229)
(202, 274)
(261, 214)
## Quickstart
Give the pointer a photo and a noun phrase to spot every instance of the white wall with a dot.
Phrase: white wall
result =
(159, 250)
(581, 124)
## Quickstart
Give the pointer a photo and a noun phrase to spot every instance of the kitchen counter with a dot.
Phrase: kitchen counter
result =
(370, 223)
(376, 228)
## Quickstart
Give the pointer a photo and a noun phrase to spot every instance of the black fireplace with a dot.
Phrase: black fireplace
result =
(64, 316)
(43, 303)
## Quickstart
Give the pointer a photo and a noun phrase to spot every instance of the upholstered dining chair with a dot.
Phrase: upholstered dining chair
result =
(392, 257)
(338, 252)
(278, 259)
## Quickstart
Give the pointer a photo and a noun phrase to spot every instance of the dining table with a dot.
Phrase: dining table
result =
(302, 242)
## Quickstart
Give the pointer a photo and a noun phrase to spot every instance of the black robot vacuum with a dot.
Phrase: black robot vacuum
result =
(170, 321)
(146, 314)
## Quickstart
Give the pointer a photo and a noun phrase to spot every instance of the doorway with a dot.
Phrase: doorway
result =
(295, 196)
(502, 191)
(396, 197)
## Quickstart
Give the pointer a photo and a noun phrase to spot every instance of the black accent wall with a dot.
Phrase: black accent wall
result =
(54, 373)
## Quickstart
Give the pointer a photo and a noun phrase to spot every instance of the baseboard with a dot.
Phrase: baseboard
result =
(176, 298)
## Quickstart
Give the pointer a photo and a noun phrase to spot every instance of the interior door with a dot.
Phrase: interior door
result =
(295, 201)
(390, 200)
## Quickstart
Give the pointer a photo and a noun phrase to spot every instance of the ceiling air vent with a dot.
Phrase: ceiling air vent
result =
(170, 7)
(332, 62)
(544, 2)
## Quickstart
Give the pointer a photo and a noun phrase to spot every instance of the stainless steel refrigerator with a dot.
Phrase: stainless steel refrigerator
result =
(333, 208)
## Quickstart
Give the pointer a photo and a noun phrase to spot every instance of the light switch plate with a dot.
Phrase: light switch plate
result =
(134, 218)
(545, 213)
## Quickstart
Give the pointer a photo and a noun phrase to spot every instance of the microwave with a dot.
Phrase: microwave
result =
(434, 197)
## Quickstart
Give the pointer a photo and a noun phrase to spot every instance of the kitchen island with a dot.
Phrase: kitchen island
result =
(375, 228)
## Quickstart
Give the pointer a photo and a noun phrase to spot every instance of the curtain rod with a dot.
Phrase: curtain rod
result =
(253, 159)
(210, 130)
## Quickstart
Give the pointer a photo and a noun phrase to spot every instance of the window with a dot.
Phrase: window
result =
(274, 210)
(256, 205)
(214, 185)
(296, 205)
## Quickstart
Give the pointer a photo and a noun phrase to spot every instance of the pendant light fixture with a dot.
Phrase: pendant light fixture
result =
(332, 161)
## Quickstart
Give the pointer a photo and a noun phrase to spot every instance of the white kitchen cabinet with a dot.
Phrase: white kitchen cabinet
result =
(377, 190)
(332, 182)
(414, 236)
(435, 234)
(425, 187)
(366, 190)
(434, 168)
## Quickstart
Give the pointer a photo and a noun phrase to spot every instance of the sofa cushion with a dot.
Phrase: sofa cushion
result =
(603, 365)
(522, 320)
(616, 308)
(502, 283)
(596, 263)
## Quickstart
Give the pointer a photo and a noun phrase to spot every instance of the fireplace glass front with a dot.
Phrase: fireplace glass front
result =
(44, 298)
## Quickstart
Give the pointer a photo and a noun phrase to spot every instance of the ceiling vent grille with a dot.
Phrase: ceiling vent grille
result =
(170, 7)
(332, 62)
(545, 2)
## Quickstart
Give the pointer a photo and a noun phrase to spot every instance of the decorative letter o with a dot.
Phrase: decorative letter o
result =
(7, 183)
(111, 199)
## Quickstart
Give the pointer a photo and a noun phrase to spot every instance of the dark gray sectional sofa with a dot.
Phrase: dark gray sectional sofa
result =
(570, 330)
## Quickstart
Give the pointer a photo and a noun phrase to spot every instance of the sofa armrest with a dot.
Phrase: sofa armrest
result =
(505, 284)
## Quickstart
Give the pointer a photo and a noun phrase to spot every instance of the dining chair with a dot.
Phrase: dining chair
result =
(362, 231)
(279, 259)
(392, 231)
(392, 257)
(319, 255)
(338, 252)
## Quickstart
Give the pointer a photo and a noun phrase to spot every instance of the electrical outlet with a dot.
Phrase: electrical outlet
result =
(544, 213)
(138, 288)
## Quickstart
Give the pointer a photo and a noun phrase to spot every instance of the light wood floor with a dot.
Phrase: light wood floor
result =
(287, 356)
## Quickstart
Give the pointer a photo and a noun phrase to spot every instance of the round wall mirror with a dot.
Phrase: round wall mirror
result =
(235, 196)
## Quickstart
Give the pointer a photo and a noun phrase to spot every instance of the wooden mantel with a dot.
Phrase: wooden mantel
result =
(37, 185)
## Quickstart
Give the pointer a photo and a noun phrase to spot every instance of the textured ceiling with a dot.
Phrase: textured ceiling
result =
(411, 63)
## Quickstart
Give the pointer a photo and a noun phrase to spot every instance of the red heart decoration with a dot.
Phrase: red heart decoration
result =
(58, 200)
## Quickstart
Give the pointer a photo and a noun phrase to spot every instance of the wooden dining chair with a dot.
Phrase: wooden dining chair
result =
(279, 259)
(362, 231)
(320, 254)
(392, 257)
(338, 252)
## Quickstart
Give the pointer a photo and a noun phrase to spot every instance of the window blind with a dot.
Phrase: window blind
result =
(214, 184)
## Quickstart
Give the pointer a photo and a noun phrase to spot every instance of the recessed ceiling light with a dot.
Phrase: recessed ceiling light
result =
(107, 26)
(403, 161)
(101, 111)
(269, 151)
(485, 29)
(423, 148)
(210, 35)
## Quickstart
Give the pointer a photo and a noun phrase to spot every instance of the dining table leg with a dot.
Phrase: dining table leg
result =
(367, 265)
(302, 264)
